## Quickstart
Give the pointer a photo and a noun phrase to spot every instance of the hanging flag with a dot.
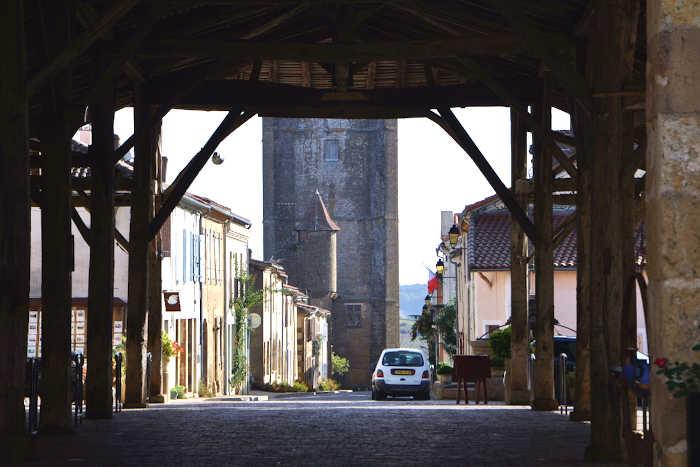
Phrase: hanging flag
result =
(433, 282)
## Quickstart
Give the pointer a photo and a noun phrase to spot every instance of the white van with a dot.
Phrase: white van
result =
(401, 372)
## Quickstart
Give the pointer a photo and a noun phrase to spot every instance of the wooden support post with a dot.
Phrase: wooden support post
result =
(582, 390)
(15, 232)
(609, 64)
(155, 322)
(448, 122)
(543, 385)
(628, 336)
(56, 238)
(517, 389)
(155, 307)
(141, 212)
(98, 390)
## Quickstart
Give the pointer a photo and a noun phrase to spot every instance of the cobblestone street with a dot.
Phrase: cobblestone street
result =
(339, 429)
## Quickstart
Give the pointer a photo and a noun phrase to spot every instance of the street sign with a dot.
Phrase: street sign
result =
(172, 301)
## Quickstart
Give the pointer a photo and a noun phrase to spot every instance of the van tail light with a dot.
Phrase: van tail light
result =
(380, 374)
(426, 375)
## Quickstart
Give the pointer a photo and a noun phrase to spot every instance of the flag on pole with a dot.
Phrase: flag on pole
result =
(432, 282)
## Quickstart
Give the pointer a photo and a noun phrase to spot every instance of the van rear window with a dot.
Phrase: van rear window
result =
(402, 358)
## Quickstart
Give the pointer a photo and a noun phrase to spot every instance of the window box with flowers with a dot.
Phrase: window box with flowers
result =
(683, 381)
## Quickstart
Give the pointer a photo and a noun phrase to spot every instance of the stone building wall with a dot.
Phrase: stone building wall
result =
(673, 209)
(353, 165)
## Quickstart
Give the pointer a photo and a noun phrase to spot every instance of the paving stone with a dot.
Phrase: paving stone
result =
(330, 429)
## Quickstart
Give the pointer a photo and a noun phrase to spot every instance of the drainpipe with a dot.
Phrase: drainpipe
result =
(225, 345)
(201, 307)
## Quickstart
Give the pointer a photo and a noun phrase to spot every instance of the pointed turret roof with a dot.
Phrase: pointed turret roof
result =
(318, 218)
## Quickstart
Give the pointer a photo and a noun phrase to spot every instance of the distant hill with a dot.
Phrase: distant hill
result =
(411, 299)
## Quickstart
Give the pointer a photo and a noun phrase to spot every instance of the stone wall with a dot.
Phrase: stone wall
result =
(360, 191)
(673, 207)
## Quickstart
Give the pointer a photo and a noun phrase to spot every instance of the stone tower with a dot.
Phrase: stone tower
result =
(325, 173)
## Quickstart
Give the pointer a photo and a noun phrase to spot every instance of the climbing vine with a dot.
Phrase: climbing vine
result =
(249, 297)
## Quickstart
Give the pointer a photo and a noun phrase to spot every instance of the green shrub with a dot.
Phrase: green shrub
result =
(499, 340)
(341, 365)
(300, 386)
(204, 390)
(328, 385)
(444, 369)
(179, 390)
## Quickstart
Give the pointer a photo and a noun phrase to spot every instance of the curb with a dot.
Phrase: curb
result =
(289, 395)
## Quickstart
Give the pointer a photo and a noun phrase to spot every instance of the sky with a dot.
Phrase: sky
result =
(434, 172)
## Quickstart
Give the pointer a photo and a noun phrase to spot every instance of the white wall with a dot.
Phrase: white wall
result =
(80, 276)
(491, 303)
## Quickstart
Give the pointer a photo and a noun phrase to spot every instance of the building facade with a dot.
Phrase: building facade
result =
(482, 257)
(80, 276)
(273, 341)
(335, 175)
(207, 245)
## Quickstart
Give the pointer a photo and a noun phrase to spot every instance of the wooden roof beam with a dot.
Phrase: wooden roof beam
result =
(267, 98)
(123, 60)
(81, 44)
(272, 23)
(333, 53)
(509, 99)
(557, 54)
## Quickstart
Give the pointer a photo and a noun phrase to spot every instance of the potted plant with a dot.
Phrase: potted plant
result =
(683, 381)
(444, 373)
(169, 349)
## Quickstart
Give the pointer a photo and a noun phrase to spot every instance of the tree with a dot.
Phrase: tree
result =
(445, 321)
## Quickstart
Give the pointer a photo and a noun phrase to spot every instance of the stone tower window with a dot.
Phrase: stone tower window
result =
(353, 315)
(331, 150)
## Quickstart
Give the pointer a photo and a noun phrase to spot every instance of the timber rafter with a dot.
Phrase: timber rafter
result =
(352, 67)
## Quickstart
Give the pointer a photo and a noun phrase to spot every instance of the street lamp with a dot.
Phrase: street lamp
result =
(428, 300)
(453, 235)
(439, 267)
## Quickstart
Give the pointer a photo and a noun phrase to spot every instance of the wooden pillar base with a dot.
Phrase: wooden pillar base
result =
(544, 405)
(135, 405)
(157, 399)
(16, 449)
(580, 416)
(518, 397)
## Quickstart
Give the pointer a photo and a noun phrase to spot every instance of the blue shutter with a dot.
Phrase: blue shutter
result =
(191, 256)
(183, 258)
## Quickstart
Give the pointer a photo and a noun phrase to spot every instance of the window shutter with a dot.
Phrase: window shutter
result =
(197, 259)
(201, 248)
(183, 258)
(165, 238)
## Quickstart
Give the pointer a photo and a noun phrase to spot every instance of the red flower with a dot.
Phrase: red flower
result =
(661, 362)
